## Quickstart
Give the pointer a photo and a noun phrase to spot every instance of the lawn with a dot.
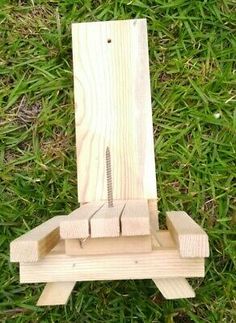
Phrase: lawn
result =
(192, 46)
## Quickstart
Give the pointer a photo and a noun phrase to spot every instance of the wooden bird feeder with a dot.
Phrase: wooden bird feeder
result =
(98, 241)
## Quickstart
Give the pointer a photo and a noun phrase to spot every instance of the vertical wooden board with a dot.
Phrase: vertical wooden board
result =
(113, 108)
(56, 293)
(135, 219)
(106, 222)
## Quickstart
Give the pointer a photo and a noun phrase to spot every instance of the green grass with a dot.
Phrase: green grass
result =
(192, 60)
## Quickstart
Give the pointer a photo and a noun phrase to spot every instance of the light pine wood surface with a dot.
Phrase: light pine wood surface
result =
(160, 263)
(113, 109)
(174, 288)
(153, 211)
(56, 293)
(102, 246)
(188, 235)
(77, 224)
(128, 218)
(135, 219)
(36, 243)
(106, 222)
(165, 239)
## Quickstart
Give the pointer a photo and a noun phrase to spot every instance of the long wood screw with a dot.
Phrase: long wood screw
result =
(109, 178)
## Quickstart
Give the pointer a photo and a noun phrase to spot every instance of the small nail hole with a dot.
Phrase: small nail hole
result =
(109, 41)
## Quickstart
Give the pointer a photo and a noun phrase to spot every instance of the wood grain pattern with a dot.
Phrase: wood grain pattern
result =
(56, 293)
(159, 264)
(154, 224)
(135, 219)
(36, 243)
(174, 288)
(106, 222)
(77, 224)
(96, 246)
(153, 211)
(104, 246)
(162, 262)
(113, 108)
(165, 239)
(188, 235)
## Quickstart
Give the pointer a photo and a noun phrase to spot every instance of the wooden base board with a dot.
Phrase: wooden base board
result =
(159, 263)
(163, 262)
(101, 246)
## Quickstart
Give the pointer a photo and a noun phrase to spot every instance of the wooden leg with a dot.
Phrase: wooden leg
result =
(173, 288)
(56, 293)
